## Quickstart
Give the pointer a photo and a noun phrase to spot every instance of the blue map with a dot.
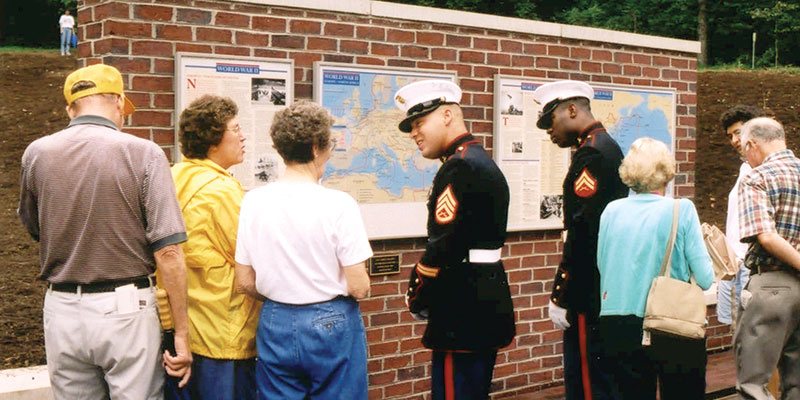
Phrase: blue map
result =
(631, 114)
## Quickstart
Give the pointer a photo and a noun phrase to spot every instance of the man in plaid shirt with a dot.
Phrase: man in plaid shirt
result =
(769, 219)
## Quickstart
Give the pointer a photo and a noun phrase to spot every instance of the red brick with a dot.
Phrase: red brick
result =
(193, 16)
(306, 27)
(354, 46)
(134, 29)
(661, 61)
(631, 70)
(380, 349)
(392, 363)
(128, 65)
(609, 68)
(623, 57)
(232, 19)
(111, 10)
(641, 82)
(458, 41)
(562, 51)
(162, 66)
(381, 49)
(153, 13)
(381, 378)
(416, 372)
(430, 38)
(588, 66)
(688, 75)
(395, 35)
(84, 16)
(213, 35)
(140, 100)
(472, 57)
(484, 44)
(370, 32)
(333, 29)
(270, 53)
(680, 86)
(152, 84)
(546, 62)
(601, 55)
(389, 318)
(535, 48)
(580, 53)
(288, 42)
(112, 46)
(443, 54)
(668, 74)
(484, 72)
(92, 31)
(192, 48)
(370, 61)
(164, 100)
(650, 72)
(269, 24)
(522, 61)
(321, 15)
(472, 85)
(233, 51)
(252, 39)
(414, 52)
(511, 46)
(499, 59)
(286, 12)
(316, 43)
(151, 118)
(642, 59)
(164, 135)
(660, 83)
(152, 48)
(461, 70)
(172, 32)
(397, 332)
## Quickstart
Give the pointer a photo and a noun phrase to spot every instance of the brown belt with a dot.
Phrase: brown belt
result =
(769, 268)
(140, 282)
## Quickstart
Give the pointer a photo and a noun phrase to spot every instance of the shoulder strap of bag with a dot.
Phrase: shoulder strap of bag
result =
(666, 265)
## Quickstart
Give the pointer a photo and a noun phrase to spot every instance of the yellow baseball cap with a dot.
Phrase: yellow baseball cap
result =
(106, 79)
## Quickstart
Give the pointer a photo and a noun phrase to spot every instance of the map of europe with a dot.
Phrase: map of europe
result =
(373, 161)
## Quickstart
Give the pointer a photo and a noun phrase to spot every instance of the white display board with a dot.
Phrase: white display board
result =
(535, 167)
(374, 161)
(259, 87)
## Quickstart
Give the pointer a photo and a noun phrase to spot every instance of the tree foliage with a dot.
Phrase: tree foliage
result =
(32, 22)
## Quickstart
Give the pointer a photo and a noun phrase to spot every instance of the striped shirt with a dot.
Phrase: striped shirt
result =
(100, 202)
(769, 202)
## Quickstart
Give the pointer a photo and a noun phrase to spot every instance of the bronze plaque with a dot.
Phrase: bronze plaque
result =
(384, 265)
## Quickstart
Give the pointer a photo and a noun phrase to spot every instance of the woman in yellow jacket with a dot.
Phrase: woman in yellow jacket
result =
(222, 322)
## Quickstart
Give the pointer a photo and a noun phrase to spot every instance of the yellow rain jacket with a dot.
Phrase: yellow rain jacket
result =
(222, 323)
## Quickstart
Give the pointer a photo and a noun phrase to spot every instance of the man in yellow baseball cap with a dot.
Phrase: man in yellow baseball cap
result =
(102, 205)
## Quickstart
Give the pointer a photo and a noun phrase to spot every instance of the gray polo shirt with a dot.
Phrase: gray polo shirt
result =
(100, 202)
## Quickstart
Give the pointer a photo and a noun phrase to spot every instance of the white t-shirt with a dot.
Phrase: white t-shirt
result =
(66, 21)
(732, 221)
(297, 236)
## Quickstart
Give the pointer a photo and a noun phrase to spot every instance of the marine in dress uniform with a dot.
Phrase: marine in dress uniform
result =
(459, 284)
(591, 183)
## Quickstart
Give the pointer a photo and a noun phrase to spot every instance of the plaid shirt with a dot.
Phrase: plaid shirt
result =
(769, 201)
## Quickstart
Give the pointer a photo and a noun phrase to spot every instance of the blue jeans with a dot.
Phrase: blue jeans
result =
(66, 39)
(317, 351)
(724, 294)
(222, 379)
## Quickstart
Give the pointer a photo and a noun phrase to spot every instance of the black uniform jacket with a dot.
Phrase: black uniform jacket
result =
(468, 304)
(591, 183)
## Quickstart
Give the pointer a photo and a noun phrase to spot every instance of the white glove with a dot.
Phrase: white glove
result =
(558, 315)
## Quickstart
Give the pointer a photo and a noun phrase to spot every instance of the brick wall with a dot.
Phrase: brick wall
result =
(141, 37)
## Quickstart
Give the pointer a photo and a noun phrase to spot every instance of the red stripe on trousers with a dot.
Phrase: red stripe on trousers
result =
(449, 383)
(587, 384)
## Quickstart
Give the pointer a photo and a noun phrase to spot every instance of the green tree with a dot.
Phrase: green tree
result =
(782, 17)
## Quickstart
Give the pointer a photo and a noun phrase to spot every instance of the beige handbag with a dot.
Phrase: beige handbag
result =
(723, 258)
(674, 306)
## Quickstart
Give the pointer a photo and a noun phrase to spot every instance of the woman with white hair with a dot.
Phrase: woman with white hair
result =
(633, 237)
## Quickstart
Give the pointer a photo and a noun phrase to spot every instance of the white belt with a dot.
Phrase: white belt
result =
(484, 256)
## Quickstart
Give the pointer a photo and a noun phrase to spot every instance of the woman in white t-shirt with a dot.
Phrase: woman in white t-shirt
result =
(302, 248)
(66, 24)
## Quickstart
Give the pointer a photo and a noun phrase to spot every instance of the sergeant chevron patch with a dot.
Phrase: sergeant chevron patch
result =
(446, 206)
(585, 185)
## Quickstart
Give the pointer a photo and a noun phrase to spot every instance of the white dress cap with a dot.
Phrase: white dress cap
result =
(421, 97)
(551, 94)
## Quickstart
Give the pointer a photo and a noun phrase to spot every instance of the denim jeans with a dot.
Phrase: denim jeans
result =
(66, 39)
(221, 379)
(316, 350)
(724, 294)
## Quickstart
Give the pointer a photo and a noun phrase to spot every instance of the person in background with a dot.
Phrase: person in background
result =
(768, 331)
(302, 248)
(732, 121)
(591, 182)
(102, 205)
(222, 322)
(633, 236)
(459, 284)
(66, 24)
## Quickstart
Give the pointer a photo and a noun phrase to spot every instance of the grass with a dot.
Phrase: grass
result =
(22, 49)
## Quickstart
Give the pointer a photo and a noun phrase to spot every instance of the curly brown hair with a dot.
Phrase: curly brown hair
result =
(297, 129)
(203, 124)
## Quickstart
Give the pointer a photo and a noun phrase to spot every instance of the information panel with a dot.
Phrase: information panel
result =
(373, 161)
(259, 87)
(535, 167)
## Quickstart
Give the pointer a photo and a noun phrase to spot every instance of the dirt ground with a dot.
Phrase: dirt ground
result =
(33, 105)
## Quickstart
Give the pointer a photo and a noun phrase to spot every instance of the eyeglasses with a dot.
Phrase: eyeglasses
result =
(236, 129)
(333, 144)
